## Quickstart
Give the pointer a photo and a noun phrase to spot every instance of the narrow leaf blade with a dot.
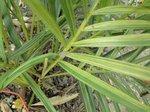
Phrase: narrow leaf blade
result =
(125, 68)
(67, 7)
(49, 21)
(104, 88)
(116, 41)
(8, 78)
(121, 10)
(118, 25)
(39, 93)
(2, 49)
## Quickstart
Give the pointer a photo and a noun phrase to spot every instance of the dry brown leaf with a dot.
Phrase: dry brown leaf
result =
(58, 100)
(4, 107)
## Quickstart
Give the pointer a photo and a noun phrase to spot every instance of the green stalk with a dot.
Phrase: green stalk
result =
(80, 28)
(52, 65)
(31, 100)
(3, 35)
(19, 16)
(74, 38)
(32, 26)
(135, 54)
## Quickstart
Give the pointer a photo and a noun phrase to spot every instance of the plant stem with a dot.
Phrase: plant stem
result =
(31, 100)
(73, 38)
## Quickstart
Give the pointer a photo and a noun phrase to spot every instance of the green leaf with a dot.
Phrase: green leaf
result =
(104, 88)
(85, 7)
(116, 41)
(9, 25)
(2, 64)
(116, 2)
(47, 19)
(19, 16)
(126, 68)
(58, 7)
(104, 105)
(2, 49)
(87, 97)
(118, 25)
(146, 3)
(50, 6)
(31, 44)
(39, 93)
(104, 3)
(7, 79)
(121, 10)
(142, 59)
(68, 11)
(79, 31)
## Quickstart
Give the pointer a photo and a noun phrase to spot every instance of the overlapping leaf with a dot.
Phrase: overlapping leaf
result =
(8, 78)
(49, 21)
(30, 44)
(9, 25)
(116, 41)
(68, 10)
(126, 68)
(2, 50)
(39, 93)
(121, 10)
(104, 88)
(118, 25)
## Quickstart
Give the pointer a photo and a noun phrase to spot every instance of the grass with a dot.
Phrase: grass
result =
(87, 39)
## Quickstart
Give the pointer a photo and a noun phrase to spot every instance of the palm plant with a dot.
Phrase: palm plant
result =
(98, 42)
